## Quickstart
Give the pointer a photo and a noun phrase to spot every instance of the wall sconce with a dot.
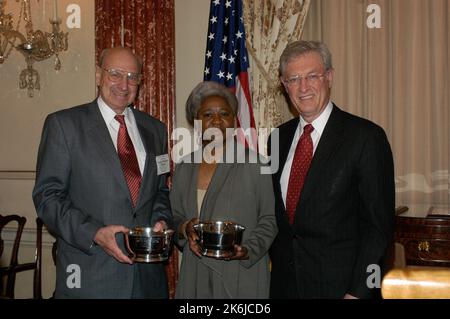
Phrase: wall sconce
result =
(34, 45)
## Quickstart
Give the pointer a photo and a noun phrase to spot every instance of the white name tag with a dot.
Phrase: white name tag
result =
(162, 164)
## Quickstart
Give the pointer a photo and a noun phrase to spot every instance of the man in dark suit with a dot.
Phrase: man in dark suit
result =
(334, 189)
(101, 170)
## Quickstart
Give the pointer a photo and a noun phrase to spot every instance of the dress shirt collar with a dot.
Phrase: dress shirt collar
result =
(108, 114)
(320, 122)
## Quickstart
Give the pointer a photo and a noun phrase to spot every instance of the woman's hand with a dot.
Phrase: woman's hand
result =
(193, 237)
(240, 253)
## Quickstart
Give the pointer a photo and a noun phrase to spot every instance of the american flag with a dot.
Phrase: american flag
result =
(226, 59)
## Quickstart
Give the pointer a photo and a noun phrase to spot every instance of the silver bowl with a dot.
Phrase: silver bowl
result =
(217, 238)
(147, 246)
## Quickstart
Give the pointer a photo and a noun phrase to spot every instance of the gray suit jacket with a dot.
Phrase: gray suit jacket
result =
(80, 187)
(237, 192)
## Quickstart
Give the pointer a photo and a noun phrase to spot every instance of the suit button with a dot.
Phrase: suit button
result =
(134, 215)
(297, 237)
(291, 263)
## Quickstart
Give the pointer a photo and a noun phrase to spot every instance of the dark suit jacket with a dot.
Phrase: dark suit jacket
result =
(344, 220)
(80, 187)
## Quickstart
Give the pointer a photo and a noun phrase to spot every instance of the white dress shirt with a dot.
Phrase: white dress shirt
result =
(319, 125)
(113, 128)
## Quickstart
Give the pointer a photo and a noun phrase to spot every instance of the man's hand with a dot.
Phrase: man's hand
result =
(160, 226)
(106, 238)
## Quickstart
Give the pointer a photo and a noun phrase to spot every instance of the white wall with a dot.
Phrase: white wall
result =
(191, 27)
(22, 119)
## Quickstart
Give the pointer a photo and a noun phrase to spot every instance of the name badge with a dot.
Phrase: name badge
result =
(162, 164)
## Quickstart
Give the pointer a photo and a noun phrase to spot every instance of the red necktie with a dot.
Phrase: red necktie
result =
(128, 159)
(299, 169)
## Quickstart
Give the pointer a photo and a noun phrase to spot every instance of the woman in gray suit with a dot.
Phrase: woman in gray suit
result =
(214, 189)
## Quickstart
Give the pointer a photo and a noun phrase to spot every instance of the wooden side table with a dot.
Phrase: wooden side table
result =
(424, 232)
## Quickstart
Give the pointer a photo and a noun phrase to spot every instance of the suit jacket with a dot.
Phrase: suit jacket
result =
(237, 192)
(344, 220)
(80, 187)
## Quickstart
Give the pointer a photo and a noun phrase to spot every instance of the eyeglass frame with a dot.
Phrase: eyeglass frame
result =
(122, 74)
(310, 78)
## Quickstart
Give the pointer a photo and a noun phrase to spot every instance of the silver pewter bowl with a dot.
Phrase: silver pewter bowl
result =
(146, 246)
(217, 238)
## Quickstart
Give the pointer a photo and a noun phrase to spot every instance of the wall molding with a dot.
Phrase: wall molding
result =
(28, 237)
(17, 175)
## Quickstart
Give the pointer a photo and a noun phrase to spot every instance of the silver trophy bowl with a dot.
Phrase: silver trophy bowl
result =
(217, 238)
(147, 246)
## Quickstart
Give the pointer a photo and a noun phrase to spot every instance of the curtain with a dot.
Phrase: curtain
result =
(269, 26)
(148, 27)
(397, 76)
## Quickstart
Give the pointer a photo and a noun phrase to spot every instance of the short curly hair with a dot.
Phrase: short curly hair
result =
(202, 91)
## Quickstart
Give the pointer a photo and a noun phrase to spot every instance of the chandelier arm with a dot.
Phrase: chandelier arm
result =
(35, 45)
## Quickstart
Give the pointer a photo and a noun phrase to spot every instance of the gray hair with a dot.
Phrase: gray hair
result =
(297, 48)
(201, 92)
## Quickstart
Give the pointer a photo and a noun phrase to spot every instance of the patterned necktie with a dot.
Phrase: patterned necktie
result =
(128, 159)
(299, 169)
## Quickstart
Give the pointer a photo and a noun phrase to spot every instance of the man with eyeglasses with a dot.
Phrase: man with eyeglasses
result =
(334, 190)
(102, 170)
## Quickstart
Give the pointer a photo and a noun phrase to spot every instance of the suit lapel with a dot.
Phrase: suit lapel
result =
(149, 168)
(284, 142)
(100, 135)
(330, 141)
(218, 181)
(191, 188)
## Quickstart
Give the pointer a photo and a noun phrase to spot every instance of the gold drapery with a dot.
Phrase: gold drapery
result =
(270, 25)
(397, 76)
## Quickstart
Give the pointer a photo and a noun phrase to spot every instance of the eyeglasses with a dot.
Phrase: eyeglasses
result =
(115, 75)
(310, 79)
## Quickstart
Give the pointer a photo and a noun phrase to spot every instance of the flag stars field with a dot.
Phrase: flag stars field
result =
(226, 57)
